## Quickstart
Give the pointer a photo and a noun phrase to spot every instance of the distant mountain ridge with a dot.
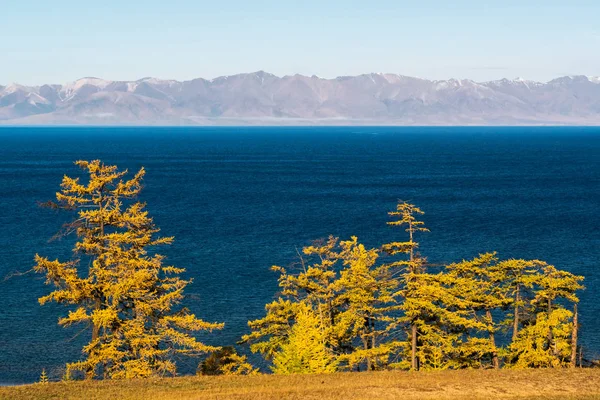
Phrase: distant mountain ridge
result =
(262, 98)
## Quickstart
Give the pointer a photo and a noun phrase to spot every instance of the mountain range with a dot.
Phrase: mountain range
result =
(262, 98)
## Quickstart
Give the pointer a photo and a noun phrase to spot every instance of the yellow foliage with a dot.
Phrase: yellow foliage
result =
(305, 351)
(383, 308)
(130, 298)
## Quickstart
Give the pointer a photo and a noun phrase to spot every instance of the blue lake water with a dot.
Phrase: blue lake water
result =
(239, 200)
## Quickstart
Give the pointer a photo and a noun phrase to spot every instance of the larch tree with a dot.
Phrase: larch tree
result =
(117, 283)
(444, 318)
(410, 268)
(425, 309)
(547, 340)
(351, 296)
(305, 351)
(352, 307)
(478, 283)
(532, 348)
(311, 282)
(519, 279)
(368, 295)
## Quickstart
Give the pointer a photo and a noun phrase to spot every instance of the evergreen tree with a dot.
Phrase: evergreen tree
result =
(128, 296)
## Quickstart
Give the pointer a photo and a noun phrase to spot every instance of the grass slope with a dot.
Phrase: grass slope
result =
(530, 384)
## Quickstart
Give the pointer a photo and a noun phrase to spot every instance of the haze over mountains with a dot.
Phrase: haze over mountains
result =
(264, 99)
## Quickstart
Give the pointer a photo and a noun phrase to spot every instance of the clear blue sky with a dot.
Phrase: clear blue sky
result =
(57, 41)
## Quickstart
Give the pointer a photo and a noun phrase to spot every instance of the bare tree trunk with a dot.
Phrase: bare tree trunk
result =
(495, 360)
(366, 347)
(98, 302)
(413, 356)
(414, 362)
(574, 338)
(373, 342)
(550, 336)
(516, 319)
(96, 328)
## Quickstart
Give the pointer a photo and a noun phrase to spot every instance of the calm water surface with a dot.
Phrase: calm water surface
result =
(239, 200)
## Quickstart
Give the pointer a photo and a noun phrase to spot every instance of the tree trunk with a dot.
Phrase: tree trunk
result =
(95, 332)
(574, 338)
(413, 355)
(98, 302)
(495, 360)
(366, 347)
(96, 328)
(550, 336)
(516, 319)
(412, 250)
(414, 362)
(373, 342)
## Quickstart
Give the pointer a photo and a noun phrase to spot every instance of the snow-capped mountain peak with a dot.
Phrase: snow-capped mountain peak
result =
(78, 84)
(370, 98)
(594, 79)
(14, 87)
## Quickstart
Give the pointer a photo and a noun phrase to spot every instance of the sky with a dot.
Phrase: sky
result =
(59, 41)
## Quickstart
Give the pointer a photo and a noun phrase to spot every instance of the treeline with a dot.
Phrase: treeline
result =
(351, 308)
(342, 307)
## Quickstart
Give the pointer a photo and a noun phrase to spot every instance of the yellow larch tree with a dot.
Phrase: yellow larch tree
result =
(520, 279)
(549, 336)
(410, 269)
(478, 283)
(117, 283)
(305, 350)
(312, 282)
(368, 295)
(351, 296)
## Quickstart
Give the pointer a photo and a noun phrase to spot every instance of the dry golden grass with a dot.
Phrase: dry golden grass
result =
(531, 384)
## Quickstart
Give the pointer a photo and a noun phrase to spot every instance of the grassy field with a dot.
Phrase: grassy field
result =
(532, 384)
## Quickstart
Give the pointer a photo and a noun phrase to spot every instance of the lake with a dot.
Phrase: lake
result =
(239, 200)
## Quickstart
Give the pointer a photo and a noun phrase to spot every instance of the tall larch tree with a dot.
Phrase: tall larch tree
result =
(117, 282)
(410, 269)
